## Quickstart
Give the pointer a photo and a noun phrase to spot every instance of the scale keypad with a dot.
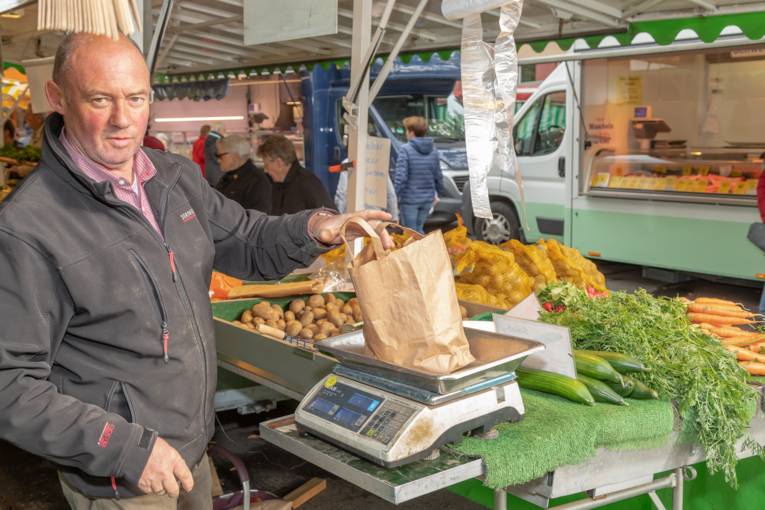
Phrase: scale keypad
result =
(388, 420)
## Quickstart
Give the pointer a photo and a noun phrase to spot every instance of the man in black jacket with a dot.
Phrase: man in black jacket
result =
(107, 351)
(294, 188)
(242, 181)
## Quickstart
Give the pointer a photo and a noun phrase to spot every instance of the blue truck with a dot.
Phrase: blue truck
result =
(428, 89)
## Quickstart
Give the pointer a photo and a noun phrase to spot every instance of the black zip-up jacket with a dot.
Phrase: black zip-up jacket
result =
(248, 185)
(107, 331)
(300, 190)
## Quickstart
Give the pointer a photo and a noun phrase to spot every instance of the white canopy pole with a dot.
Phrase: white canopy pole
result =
(357, 144)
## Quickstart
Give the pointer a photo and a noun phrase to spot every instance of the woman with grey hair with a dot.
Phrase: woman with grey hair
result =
(242, 181)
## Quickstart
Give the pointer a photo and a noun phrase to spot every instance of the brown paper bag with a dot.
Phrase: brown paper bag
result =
(411, 315)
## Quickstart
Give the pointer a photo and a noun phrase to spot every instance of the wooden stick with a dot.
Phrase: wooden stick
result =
(306, 492)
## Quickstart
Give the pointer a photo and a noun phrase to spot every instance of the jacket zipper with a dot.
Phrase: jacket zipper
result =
(165, 334)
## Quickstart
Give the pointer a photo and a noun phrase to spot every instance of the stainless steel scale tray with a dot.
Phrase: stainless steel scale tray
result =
(495, 355)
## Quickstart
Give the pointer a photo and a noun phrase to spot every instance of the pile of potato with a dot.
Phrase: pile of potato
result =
(315, 318)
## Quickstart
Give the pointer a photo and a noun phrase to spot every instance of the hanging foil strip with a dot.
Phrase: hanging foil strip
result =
(478, 100)
(507, 77)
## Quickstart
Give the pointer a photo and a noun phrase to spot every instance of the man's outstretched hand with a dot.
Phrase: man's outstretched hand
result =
(164, 470)
(327, 228)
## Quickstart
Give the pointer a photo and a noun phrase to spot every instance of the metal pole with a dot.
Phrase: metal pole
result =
(500, 499)
(159, 32)
(357, 145)
(383, 74)
(677, 493)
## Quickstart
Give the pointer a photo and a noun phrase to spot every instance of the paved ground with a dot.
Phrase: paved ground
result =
(29, 483)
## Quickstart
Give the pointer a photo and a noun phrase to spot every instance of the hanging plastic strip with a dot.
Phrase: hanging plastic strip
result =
(506, 85)
(478, 100)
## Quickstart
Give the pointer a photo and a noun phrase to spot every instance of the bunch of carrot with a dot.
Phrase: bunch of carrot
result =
(720, 318)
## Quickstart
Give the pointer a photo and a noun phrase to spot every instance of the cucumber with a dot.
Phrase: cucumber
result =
(596, 367)
(621, 362)
(641, 391)
(601, 392)
(556, 384)
(626, 387)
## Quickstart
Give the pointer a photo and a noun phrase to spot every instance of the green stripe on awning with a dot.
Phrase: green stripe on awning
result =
(663, 31)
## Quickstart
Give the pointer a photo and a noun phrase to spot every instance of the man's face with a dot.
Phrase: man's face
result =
(226, 160)
(105, 100)
(275, 168)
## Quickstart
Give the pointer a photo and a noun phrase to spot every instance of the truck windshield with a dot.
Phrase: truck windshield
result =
(444, 115)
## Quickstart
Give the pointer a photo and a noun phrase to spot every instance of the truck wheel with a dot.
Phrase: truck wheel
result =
(503, 226)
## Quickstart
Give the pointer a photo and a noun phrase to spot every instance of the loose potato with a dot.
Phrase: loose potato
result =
(247, 316)
(353, 301)
(289, 315)
(322, 321)
(251, 325)
(315, 301)
(306, 318)
(313, 327)
(329, 298)
(272, 323)
(279, 310)
(326, 327)
(306, 333)
(281, 324)
(335, 319)
(357, 315)
(343, 317)
(264, 311)
(293, 328)
(347, 309)
(349, 320)
(340, 303)
(297, 305)
(319, 313)
(239, 323)
(320, 336)
(332, 307)
(257, 321)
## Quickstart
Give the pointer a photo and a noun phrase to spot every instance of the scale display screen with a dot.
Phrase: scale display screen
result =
(344, 405)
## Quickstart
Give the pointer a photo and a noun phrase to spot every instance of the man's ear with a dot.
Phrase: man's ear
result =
(55, 96)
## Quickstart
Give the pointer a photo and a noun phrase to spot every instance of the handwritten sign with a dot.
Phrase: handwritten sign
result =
(376, 180)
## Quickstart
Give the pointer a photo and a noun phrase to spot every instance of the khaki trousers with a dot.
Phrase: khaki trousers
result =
(200, 498)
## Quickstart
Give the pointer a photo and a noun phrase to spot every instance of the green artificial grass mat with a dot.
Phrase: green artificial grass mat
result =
(555, 432)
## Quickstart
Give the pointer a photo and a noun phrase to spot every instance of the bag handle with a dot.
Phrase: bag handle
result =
(369, 231)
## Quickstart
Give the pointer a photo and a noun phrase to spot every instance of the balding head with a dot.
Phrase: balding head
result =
(65, 58)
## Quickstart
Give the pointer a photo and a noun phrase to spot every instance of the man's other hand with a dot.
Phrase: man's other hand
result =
(164, 469)
(326, 228)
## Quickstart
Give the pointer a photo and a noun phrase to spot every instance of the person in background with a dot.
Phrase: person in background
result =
(36, 122)
(9, 135)
(293, 187)
(242, 181)
(761, 208)
(198, 149)
(418, 177)
(212, 169)
(152, 142)
(341, 197)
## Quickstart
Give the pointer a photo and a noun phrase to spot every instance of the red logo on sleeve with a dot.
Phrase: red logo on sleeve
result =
(106, 435)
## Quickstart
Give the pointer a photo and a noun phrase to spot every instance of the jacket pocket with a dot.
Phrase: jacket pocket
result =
(118, 402)
(164, 333)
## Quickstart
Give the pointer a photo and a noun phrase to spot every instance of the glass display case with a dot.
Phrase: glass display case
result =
(716, 178)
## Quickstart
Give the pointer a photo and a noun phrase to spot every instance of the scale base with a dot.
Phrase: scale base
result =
(480, 425)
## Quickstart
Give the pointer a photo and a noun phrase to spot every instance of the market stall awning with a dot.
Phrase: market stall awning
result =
(663, 26)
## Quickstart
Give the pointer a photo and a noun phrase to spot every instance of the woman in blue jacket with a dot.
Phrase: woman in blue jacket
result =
(417, 175)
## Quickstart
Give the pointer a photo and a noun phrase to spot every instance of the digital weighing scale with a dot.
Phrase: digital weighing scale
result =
(393, 416)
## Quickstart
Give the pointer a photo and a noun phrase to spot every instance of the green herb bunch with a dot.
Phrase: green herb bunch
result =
(688, 367)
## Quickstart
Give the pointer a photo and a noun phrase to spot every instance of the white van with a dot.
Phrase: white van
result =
(647, 155)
